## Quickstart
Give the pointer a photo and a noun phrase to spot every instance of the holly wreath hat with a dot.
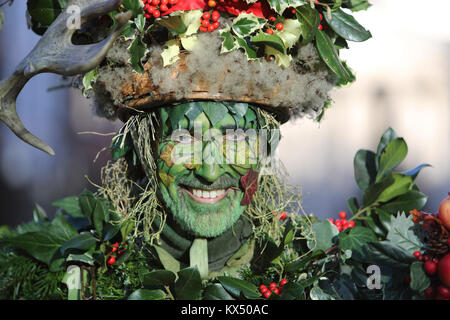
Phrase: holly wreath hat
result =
(135, 55)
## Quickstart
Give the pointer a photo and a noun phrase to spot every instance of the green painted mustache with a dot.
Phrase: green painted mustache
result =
(225, 181)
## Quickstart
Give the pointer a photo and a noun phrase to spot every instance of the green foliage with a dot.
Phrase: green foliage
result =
(42, 13)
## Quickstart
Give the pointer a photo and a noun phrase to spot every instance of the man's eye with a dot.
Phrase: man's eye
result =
(184, 139)
(235, 137)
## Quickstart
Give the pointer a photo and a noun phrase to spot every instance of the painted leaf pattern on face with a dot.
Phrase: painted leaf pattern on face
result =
(166, 155)
(249, 182)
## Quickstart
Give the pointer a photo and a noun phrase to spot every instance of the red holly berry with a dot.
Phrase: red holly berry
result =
(111, 260)
(283, 215)
(342, 214)
(272, 18)
(429, 292)
(116, 244)
(279, 26)
(417, 254)
(212, 3)
(113, 249)
(426, 258)
(173, 1)
(269, 31)
(211, 28)
(276, 291)
(283, 282)
(267, 294)
(215, 15)
(163, 7)
(216, 25)
(204, 23)
(272, 286)
(203, 29)
(156, 13)
(206, 15)
(430, 267)
(320, 27)
(263, 289)
(351, 224)
(321, 16)
(155, 2)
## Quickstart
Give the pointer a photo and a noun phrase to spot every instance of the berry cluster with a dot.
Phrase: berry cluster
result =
(114, 252)
(153, 8)
(439, 271)
(342, 223)
(273, 288)
(207, 24)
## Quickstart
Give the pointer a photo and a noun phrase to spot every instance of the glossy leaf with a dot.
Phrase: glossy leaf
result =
(401, 185)
(330, 56)
(137, 50)
(271, 40)
(388, 136)
(245, 24)
(159, 278)
(364, 168)
(215, 291)
(189, 284)
(237, 287)
(310, 21)
(406, 202)
(324, 233)
(144, 294)
(281, 5)
(347, 27)
(394, 153)
(356, 238)
(83, 242)
(70, 205)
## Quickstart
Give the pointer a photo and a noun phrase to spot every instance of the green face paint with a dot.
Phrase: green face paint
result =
(203, 152)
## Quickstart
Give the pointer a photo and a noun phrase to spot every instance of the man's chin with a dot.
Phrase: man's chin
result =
(208, 216)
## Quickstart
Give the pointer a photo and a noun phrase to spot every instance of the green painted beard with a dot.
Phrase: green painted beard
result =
(205, 197)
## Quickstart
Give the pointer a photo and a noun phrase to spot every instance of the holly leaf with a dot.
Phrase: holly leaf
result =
(42, 13)
(83, 242)
(134, 6)
(137, 50)
(174, 24)
(189, 284)
(238, 287)
(250, 52)
(347, 27)
(292, 29)
(245, 24)
(71, 205)
(249, 183)
(310, 21)
(271, 40)
(280, 5)
(215, 291)
(159, 278)
(229, 40)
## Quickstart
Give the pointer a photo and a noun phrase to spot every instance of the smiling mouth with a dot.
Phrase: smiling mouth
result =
(206, 196)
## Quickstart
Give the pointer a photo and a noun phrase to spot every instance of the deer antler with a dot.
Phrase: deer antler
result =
(55, 53)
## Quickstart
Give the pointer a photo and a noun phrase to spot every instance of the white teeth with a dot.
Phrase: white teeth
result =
(208, 194)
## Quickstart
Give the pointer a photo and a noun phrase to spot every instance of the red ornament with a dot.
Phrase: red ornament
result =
(444, 270)
(430, 267)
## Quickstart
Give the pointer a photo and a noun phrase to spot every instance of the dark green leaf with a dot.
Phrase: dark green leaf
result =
(419, 279)
(87, 204)
(310, 21)
(215, 291)
(300, 265)
(133, 5)
(189, 284)
(365, 169)
(159, 278)
(292, 291)
(249, 51)
(384, 253)
(144, 294)
(372, 193)
(271, 40)
(70, 205)
(137, 50)
(347, 27)
(83, 242)
(353, 205)
(100, 214)
(109, 231)
(43, 12)
(236, 287)
(330, 56)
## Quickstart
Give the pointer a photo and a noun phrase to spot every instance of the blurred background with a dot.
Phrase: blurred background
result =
(403, 82)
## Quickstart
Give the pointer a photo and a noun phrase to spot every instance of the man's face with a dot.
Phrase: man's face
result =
(204, 151)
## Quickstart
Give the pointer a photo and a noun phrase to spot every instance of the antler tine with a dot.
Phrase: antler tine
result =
(56, 53)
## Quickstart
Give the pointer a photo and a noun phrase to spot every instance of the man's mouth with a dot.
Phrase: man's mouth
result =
(206, 196)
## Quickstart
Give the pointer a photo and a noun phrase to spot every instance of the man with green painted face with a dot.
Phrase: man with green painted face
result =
(208, 156)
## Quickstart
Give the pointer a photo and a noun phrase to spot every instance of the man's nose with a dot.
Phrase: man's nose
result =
(211, 166)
